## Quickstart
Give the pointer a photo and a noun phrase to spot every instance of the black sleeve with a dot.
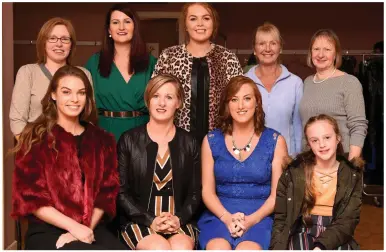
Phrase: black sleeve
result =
(134, 211)
(193, 198)
(280, 210)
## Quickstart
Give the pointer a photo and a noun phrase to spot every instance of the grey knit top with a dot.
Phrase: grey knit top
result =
(340, 97)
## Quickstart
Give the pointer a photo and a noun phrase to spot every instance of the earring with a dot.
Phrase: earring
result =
(109, 35)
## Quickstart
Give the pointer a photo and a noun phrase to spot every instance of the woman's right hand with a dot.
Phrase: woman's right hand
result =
(159, 223)
(230, 221)
(83, 233)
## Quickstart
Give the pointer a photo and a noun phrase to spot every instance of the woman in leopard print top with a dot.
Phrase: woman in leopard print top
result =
(203, 68)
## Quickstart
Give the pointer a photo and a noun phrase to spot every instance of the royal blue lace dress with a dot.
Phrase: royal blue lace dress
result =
(242, 186)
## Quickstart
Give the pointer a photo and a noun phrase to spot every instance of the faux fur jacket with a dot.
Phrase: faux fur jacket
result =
(46, 177)
(223, 64)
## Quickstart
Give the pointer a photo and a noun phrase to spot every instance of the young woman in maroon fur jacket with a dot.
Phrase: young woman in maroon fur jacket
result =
(66, 176)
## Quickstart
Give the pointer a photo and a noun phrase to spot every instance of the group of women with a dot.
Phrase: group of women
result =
(181, 130)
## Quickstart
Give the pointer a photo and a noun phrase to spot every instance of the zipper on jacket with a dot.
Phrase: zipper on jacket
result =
(345, 196)
(151, 189)
(171, 166)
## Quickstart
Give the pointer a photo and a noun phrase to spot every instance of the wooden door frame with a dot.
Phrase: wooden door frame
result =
(149, 15)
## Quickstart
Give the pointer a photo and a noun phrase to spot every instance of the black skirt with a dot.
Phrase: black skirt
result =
(43, 236)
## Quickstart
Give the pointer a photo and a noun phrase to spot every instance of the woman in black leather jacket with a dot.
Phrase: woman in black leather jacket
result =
(159, 167)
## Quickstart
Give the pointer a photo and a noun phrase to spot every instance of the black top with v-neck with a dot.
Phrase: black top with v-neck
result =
(199, 108)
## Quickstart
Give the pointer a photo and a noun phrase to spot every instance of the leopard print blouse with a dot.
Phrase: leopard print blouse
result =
(223, 65)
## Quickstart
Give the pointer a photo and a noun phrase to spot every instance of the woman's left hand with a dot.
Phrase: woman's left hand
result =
(64, 239)
(174, 223)
(245, 225)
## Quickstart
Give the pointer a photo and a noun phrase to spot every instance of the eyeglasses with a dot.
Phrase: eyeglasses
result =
(65, 40)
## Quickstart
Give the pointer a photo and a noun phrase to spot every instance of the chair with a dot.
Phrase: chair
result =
(18, 235)
(374, 195)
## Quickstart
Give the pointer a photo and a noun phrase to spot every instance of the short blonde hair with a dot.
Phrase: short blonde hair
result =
(157, 82)
(267, 27)
(212, 12)
(332, 37)
(44, 33)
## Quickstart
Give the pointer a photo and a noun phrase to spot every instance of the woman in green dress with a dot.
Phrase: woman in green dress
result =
(120, 72)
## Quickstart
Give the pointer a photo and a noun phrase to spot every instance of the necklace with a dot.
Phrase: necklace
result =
(325, 78)
(246, 148)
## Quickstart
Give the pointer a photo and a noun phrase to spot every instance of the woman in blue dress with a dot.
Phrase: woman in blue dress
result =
(241, 165)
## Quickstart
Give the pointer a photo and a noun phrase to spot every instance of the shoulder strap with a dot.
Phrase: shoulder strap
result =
(45, 71)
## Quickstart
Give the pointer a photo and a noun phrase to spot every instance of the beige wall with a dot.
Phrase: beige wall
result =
(8, 164)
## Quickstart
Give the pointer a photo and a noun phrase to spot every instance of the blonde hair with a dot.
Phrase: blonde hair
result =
(44, 33)
(157, 82)
(267, 27)
(332, 37)
(212, 12)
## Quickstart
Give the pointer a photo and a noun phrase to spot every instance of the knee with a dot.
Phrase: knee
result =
(248, 245)
(218, 244)
(153, 242)
(181, 242)
(164, 245)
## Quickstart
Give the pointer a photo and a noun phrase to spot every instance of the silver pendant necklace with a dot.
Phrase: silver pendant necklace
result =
(246, 148)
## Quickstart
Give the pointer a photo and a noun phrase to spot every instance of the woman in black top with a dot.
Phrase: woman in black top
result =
(159, 169)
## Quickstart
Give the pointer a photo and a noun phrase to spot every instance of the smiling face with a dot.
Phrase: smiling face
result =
(323, 53)
(164, 103)
(242, 105)
(121, 27)
(323, 140)
(58, 51)
(199, 23)
(267, 47)
(70, 97)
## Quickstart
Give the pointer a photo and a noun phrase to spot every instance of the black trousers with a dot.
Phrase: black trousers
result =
(43, 236)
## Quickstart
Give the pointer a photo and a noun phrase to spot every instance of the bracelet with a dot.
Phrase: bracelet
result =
(223, 214)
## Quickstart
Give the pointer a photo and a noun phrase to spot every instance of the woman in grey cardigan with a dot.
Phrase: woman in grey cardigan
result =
(55, 47)
(333, 92)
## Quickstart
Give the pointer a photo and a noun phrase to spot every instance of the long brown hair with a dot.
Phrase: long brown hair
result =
(308, 161)
(225, 119)
(44, 33)
(34, 132)
(139, 56)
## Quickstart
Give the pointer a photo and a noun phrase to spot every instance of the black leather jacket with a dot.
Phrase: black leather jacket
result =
(137, 156)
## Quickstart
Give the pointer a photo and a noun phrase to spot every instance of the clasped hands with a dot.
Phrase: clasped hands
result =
(78, 232)
(236, 223)
(165, 223)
